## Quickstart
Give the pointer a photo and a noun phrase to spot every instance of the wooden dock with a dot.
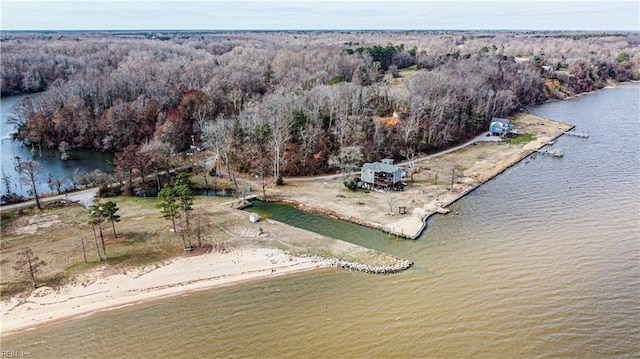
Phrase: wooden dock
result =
(243, 202)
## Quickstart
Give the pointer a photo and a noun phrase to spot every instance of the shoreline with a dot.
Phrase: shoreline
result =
(523, 155)
(95, 293)
(414, 224)
(98, 291)
(282, 250)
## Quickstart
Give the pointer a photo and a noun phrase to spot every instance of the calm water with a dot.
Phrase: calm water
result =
(541, 262)
(49, 159)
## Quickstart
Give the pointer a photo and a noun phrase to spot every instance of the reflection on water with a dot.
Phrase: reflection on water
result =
(14, 151)
(542, 261)
(327, 226)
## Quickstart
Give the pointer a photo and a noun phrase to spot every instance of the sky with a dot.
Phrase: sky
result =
(575, 15)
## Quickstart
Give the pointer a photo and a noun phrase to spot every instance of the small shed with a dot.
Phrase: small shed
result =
(381, 174)
(254, 217)
(499, 126)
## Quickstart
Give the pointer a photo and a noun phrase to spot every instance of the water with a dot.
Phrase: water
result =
(542, 262)
(53, 167)
(327, 226)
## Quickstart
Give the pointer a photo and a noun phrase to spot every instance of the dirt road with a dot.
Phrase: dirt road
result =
(480, 138)
(84, 197)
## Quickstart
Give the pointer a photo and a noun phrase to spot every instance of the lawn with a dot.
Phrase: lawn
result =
(520, 138)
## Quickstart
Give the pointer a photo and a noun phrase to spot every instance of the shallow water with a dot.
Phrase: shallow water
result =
(541, 262)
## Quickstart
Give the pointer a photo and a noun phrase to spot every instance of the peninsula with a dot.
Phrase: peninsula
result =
(238, 250)
(438, 181)
(286, 113)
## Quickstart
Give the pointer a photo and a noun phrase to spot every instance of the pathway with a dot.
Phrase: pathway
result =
(480, 138)
(84, 197)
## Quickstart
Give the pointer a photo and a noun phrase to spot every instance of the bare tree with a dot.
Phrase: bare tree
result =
(75, 178)
(410, 155)
(95, 240)
(199, 227)
(159, 154)
(109, 92)
(200, 161)
(213, 135)
(348, 159)
(30, 171)
(453, 177)
(6, 179)
(310, 138)
(84, 251)
(217, 135)
(29, 264)
(56, 184)
(391, 201)
(280, 134)
(96, 218)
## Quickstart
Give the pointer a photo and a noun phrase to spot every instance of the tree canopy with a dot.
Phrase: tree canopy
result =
(305, 97)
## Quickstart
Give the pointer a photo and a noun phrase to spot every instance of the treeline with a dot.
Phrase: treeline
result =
(293, 103)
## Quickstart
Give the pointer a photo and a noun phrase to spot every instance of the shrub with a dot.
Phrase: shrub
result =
(351, 184)
(335, 80)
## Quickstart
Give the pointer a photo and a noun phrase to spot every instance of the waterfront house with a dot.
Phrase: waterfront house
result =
(381, 174)
(500, 126)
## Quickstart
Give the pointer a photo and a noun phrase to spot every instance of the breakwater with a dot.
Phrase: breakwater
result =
(397, 267)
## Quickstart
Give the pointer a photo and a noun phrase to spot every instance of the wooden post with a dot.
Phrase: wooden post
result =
(453, 175)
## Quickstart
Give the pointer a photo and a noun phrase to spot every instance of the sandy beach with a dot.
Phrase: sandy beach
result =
(95, 293)
(263, 256)
(276, 250)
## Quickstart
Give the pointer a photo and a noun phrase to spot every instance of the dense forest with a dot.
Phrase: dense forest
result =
(292, 103)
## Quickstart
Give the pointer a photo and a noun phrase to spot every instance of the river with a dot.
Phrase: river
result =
(82, 161)
(541, 262)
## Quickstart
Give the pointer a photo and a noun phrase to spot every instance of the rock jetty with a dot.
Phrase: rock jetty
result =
(397, 267)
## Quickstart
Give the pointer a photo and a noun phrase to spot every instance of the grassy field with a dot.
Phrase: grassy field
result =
(144, 240)
(55, 236)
